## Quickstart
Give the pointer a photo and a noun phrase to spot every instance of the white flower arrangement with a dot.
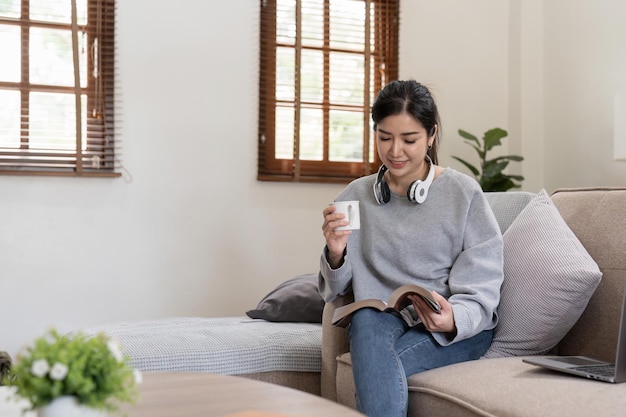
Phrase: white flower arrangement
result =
(92, 369)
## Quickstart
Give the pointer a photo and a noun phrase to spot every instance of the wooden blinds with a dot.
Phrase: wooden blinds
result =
(321, 64)
(57, 101)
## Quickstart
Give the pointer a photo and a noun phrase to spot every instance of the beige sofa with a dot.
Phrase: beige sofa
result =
(507, 386)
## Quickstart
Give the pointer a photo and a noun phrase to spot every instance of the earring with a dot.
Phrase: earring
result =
(430, 146)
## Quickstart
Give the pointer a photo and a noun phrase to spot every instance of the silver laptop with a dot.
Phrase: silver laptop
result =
(589, 367)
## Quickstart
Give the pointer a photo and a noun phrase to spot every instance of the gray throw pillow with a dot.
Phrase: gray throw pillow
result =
(295, 300)
(548, 279)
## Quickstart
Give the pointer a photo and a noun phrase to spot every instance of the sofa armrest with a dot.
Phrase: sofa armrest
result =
(334, 343)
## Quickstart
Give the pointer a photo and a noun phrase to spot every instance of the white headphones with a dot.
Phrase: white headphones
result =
(417, 192)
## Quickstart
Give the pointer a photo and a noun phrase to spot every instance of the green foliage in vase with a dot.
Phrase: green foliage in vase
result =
(90, 368)
(490, 174)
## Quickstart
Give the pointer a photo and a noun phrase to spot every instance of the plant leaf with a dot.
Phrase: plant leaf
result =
(469, 166)
(494, 168)
(509, 157)
(502, 184)
(469, 136)
(492, 137)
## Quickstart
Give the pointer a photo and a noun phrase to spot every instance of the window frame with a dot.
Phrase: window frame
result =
(96, 154)
(384, 53)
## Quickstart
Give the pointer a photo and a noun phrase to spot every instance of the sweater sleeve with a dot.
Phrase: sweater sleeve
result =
(334, 282)
(476, 276)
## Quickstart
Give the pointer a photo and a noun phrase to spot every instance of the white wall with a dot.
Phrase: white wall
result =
(585, 65)
(544, 70)
(459, 49)
(190, 231)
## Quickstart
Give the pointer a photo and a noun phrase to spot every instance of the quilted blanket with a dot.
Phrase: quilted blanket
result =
(229, 345)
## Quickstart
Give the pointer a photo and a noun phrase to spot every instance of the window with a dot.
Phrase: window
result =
(57, 87)
(321, 64)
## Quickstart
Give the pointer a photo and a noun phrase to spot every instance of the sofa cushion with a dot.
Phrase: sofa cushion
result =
(295, 300)
(498, 387)
(548, 280)
(510, 387)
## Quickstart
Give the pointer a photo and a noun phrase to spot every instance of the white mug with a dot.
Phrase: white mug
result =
(351, 210)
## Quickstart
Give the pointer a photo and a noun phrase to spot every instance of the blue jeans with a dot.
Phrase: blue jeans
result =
(385, 351)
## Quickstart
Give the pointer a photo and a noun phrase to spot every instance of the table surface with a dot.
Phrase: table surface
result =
(164, 394)
(201, 394)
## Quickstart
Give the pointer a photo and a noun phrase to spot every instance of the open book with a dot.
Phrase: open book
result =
(398, 300)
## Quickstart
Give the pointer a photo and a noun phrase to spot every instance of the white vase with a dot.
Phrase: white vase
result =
(68, 406)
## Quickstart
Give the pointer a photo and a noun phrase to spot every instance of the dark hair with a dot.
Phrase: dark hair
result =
(415, 99)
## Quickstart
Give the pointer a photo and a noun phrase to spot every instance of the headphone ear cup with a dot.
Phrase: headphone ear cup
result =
(385, 192)
(382, 193)
(418, 190)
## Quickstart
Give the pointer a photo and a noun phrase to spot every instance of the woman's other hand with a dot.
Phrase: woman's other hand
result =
(442, 322)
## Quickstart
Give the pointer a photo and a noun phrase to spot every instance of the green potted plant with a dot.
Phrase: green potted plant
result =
(86, 373)
(490, 175)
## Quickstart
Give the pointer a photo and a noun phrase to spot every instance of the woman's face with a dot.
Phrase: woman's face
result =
(402, 143)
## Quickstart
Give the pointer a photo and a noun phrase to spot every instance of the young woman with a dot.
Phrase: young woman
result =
(422, 224)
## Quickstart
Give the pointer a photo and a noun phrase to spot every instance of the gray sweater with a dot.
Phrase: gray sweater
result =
(451, 243)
